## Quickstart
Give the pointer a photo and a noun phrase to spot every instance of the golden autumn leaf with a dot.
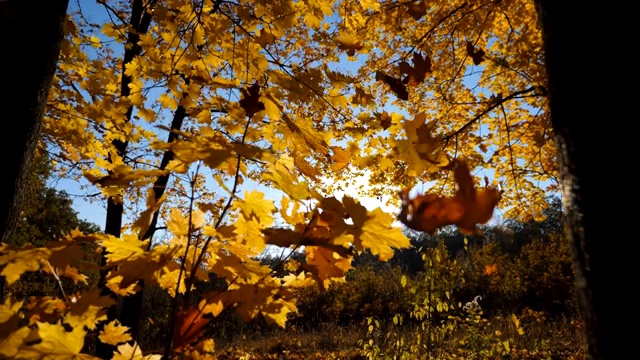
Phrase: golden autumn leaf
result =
(57, 344)
(281, 174)
(127, 351)
(12, 340)
(113, 333)
(123, 248)
(297, 281)
(326, 265)
(88, 310)
(29, 258)
(211, 306)
(9, 310)
(11, 334)
(255, 206)
(374, 230)
(340, 157)
(466, 209)
(348, 43)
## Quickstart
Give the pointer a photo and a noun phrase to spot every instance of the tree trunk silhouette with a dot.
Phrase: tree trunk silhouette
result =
(140, 20)
(584, 199)
(30, 39)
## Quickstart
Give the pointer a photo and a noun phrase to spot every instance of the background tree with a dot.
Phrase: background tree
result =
(48, 214)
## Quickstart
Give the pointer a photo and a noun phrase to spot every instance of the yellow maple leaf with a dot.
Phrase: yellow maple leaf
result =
(374, 230)
(178, 222)
(281, 174)
(211, 306)
(123, 248)
(326, 264)
(276, 312)
(348, 43)
(380, 236)
(255, 206)
(68, 271)
(20, 260)
(132, 352)
(88, 310)
(11, 342)
(9, 309)
(297, 281)
(169, 278)
(341, 158)
(57, 344)
(11, 336)
(113, 333)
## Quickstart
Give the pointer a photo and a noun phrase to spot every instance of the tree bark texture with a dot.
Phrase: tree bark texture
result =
(585, 202)
(30, 39)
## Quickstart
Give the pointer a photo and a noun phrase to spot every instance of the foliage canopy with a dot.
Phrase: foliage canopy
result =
(170, 107)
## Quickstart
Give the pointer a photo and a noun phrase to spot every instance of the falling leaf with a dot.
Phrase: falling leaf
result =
(362, 98)
(250, 101)
(265, 38)
(490, 269)
(417, 9)
(385, 120)
(348, 43)
(415, 74)
(113, 333)
(476, 55)
(395, 85)
(467, 208)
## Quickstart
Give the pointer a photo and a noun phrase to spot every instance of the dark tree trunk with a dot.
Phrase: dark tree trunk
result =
(140, 20)
(30, 39)
(586, 204)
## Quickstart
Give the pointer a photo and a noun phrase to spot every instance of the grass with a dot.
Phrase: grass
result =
(542, 338)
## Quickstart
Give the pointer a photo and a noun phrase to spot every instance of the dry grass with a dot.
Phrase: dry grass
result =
(542, 339)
